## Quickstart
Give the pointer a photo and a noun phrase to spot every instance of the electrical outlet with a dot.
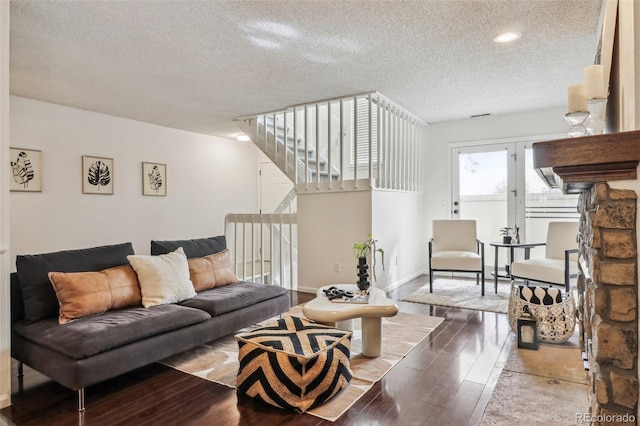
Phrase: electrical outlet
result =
(337, 267)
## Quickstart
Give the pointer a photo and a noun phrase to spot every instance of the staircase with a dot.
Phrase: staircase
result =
(352, 143)
(348, 143)
(288, 150)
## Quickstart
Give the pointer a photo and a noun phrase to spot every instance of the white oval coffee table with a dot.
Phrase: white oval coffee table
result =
(341, 314)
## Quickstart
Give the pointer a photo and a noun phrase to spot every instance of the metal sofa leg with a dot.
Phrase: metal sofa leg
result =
(81, 399)
(20, 376)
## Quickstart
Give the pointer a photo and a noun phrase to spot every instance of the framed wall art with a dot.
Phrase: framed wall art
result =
(26, 170)
(154, 179)
(97, 175)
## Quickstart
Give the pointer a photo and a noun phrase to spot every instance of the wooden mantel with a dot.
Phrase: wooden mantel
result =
(574, 164)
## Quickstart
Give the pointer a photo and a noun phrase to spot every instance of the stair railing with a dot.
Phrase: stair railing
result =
(264, 247)
(343, 143)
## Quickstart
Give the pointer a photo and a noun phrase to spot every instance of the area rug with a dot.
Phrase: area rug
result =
(545, 387)
(463, 294)
(218, 361)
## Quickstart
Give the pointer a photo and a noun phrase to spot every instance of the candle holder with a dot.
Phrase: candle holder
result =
(577, 119)
(595, 122)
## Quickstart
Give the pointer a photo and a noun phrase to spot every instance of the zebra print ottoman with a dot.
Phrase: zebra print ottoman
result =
(293, 363)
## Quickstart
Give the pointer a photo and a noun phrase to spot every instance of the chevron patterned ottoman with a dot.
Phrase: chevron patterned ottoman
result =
(293, 363)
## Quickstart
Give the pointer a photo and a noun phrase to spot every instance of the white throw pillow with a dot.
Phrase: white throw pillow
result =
(163, 279)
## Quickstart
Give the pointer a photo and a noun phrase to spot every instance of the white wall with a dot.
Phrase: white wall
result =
(5, 337)
(207, 177)
(437, 162)
(328, 225)
(398, 225)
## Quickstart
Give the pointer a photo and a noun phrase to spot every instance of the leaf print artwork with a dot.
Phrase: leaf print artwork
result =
(99, 174)
(22, 170)
(155, 179)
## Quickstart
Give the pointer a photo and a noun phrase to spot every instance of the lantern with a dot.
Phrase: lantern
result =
(527, 330)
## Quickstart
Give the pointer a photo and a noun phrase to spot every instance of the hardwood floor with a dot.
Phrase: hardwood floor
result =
(446, 380)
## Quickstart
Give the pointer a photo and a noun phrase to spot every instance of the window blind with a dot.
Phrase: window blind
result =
(362, 129)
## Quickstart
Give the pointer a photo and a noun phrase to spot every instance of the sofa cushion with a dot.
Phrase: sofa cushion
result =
(220, 300)
(99, 333)
(214, 270)
(39, 298)
(192, 248)
(163, 279)
(86, 293)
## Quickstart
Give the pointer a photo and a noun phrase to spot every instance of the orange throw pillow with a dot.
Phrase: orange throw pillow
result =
(214, 270)
(222, 267)
(86, 293)
(201, 274)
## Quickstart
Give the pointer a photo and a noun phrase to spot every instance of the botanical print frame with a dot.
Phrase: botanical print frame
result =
(97, 175)
(154, 179)
(26, 170)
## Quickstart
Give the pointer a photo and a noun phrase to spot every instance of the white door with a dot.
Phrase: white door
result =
(274, 187)
(484, 188)
(496, 185)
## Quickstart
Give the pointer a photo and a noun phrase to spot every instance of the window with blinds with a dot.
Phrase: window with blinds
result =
(362, 130)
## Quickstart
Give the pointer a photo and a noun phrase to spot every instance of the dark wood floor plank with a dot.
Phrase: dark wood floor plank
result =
(447, 379)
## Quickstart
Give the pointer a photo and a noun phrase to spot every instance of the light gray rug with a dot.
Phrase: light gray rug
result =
(543, 387)
(463, 294)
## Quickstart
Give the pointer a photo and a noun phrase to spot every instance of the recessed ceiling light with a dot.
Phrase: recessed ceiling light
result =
(507, 37)
(242, 138)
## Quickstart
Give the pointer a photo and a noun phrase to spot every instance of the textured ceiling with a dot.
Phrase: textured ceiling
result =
(198, 65)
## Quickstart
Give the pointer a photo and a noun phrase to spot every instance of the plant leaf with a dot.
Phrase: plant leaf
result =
(155, 178)
(99, 174)
(22, 169)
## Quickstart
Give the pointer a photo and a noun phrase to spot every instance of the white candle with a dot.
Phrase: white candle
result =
(594, 83)
(526, 334)
(577, 99)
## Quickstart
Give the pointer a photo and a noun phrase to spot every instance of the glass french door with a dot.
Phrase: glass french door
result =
(484, 189)
(497, 186)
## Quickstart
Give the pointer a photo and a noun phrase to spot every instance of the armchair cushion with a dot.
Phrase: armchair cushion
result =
(561, 236)
(542, 269)
(454, 235)
(456, 260)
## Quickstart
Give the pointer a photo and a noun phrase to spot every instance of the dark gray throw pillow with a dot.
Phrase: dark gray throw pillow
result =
(198, 247)
(38, 295)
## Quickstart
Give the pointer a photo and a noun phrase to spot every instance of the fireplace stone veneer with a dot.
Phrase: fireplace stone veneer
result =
(608, 301)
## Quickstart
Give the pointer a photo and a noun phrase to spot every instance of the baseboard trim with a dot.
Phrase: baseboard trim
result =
(405, 280)
(5, 401)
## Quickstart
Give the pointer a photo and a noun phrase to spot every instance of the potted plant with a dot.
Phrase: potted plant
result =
(362, 251)
(506, 234)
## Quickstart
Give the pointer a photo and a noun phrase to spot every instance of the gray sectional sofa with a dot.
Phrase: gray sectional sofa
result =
(99, 347)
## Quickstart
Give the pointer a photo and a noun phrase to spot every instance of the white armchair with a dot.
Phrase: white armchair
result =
(456, 248)
(560, 262)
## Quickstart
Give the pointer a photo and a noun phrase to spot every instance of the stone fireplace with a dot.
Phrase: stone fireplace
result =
(603, 170)
(608, 299)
